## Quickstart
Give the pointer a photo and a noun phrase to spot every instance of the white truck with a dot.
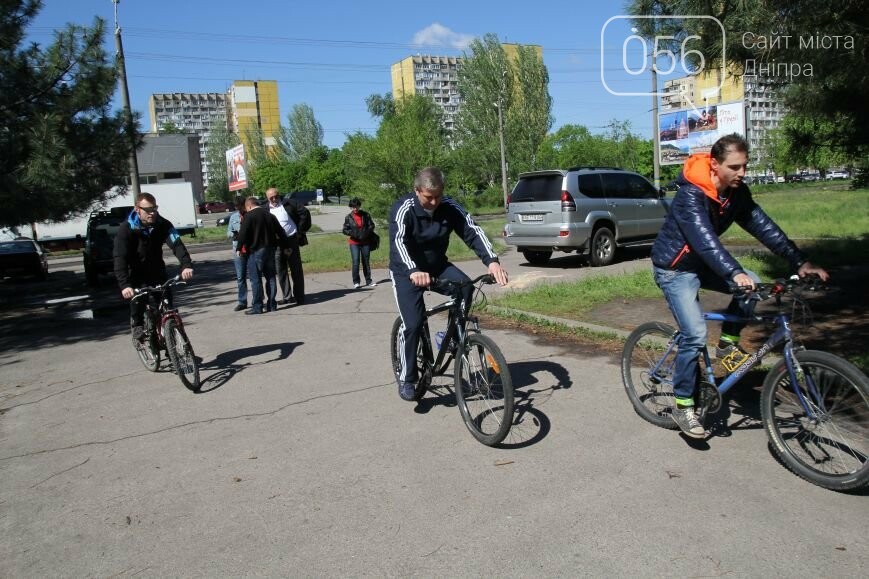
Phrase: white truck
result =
(174, 199)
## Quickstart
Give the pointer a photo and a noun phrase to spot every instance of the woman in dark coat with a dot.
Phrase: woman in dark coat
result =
(359, 226)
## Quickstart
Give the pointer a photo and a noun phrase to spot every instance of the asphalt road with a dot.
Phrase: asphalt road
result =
(299, 459)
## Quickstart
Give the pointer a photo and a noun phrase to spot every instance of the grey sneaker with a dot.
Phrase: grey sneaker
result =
(686, 420)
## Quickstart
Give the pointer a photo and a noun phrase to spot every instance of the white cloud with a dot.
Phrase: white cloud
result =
(437, 34)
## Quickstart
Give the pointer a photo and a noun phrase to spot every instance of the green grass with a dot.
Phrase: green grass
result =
(812, 211)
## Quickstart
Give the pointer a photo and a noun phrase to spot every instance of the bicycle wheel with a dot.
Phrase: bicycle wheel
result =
(484, 390)
(148, 348)
(424, 365)
(181, 354)
(830, 450)
(651, 391)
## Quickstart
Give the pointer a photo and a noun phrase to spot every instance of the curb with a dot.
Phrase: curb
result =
(563, 321)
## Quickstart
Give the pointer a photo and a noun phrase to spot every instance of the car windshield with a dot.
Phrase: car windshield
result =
(17, 247)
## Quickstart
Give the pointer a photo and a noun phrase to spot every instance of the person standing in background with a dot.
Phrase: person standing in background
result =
(358, 226)
(239, 254)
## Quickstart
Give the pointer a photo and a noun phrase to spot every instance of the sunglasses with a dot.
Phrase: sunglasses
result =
(148, 209)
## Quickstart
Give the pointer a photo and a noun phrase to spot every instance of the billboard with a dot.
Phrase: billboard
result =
(694, 130)
(236, 168)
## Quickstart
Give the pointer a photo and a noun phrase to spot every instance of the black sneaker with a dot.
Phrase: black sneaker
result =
(407, 391)
(139, 333)
(239, 307)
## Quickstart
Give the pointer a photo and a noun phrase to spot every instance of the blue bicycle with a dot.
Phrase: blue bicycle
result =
(814, 405)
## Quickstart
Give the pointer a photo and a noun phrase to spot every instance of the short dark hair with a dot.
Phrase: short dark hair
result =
(723, 146)
(429, 179)
(355, 202)
(145, 197)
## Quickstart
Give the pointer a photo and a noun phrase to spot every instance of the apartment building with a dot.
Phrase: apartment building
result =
(246, 104)
(437, 77)
(434, 76)
(253, 104)
(192, 113)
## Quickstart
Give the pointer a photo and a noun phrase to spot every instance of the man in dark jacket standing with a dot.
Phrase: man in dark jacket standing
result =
(688, 254)
(420, 224)
(261, 235)
(138, 255)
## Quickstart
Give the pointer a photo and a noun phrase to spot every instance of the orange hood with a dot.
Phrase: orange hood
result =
(698, 172)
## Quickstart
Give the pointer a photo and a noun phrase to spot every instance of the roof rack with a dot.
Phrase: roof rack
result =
(588, 168)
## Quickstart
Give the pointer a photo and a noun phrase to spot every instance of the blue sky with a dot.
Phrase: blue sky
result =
(331, 54)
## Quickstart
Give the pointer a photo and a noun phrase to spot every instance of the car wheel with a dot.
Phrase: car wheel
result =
(603, 247)
(537, 257)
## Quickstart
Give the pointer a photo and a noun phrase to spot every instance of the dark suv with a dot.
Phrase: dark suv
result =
(99, 242)
(594, 209)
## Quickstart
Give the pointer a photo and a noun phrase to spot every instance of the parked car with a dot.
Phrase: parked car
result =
(838, 174)
(593, 209)
(99, 244)
(793, 179)
(216, 207)
(306, 197)
(23, 256)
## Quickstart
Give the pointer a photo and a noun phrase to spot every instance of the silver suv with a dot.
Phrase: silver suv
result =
(594, 209)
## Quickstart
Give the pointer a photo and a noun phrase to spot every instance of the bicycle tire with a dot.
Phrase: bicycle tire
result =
(148, 349)
(833, 452)
(651, 397)
(181, 354)
(484, 390)
(424, 365)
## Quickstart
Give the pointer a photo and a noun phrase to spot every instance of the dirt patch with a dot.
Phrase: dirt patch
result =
(839, 320)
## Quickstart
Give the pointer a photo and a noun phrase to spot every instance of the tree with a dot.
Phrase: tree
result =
(169, 127)
(815, 57)
(381, 168)
(489, 79)
(219, 140)
(302, 135)
(61, 148)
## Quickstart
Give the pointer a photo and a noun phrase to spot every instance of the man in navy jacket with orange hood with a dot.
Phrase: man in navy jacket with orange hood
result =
(688, 254)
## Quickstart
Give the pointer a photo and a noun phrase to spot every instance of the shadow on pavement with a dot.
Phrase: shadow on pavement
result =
(228, 364)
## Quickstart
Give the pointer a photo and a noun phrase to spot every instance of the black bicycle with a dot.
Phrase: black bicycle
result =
(814, 405)
(164, 330)
(482, 382)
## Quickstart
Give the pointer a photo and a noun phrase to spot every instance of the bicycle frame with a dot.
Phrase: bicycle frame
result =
(456, 330)
(782, 334)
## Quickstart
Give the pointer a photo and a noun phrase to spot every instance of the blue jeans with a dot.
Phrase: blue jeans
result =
(681, 292)
(262, 263)
(240, 262)
(363, 253)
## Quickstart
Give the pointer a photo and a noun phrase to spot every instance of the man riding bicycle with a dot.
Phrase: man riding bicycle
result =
(688, 255)
(139, 255)
(420, 224)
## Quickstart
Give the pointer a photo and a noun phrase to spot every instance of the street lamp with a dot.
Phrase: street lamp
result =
(503, 156)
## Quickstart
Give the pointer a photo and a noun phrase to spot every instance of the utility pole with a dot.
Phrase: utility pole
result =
(128, 113)
(503, 156)
(656, 134)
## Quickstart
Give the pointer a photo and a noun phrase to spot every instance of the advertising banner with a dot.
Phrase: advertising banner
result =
(236, 168)
(694, 130)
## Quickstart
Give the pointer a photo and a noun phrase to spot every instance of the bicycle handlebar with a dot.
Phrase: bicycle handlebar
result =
(139, 292)
(764, 291)
(450, 286)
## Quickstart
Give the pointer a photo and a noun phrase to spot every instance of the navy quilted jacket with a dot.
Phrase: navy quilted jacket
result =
(689, 239)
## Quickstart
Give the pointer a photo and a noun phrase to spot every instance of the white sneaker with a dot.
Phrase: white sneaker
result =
(372, 283)
(686, 420)
(355, 286)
